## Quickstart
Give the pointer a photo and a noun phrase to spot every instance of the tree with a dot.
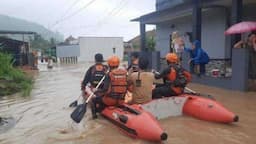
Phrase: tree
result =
(39, 43)
(52, 42)
(150, 43)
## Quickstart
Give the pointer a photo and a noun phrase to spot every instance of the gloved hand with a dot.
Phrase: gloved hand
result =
(94, 90)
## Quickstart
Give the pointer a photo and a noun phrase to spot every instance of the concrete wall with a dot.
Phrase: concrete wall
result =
(67, 51)
(213, 38)
(239, 79)
(89, 46)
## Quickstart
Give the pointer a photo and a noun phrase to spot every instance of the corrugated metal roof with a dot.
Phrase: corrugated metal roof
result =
(16, 32)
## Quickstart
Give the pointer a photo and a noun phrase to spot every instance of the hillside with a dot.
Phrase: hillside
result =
(15, 24)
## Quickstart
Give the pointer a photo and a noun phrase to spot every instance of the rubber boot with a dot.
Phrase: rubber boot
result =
(93, 110)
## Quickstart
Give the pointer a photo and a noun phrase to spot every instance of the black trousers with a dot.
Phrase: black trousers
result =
(97, 105)
(162, 91)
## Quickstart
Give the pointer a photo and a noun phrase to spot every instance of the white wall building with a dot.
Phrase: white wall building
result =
(108, 46)
(67, 51)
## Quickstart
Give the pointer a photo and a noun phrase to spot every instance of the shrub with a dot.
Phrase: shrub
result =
(12, 79)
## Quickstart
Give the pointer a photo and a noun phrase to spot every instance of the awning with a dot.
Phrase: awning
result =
(166, 14)
(178, 11)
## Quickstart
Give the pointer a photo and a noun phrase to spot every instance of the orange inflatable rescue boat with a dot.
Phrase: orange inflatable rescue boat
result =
(135, 122)
(195, 105)
(207, 109)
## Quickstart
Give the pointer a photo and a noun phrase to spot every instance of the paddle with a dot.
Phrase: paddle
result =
(199, 94)
(78, 114)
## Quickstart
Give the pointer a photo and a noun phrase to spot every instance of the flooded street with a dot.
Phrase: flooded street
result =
(44, 117)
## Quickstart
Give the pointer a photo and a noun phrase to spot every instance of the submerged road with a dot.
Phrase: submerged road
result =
(44, 117)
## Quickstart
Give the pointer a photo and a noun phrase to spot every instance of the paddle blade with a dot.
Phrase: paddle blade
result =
(78, 114)
(73, 104)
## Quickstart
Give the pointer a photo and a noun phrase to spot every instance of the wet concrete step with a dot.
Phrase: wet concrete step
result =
(252, 85)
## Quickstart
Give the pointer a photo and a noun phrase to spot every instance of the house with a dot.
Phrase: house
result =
(18, 49)
(136, 40)
(67, 53)
(18, 35)
(108, 46)
(71, 40)
(83, 49)
(133, 45)
(206, 20)
(17, 43)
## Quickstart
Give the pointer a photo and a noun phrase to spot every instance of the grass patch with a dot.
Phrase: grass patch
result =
(13, 80)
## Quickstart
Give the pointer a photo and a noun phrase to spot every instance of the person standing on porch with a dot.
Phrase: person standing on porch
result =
(177, 44)
(251, 45)
(252, 58)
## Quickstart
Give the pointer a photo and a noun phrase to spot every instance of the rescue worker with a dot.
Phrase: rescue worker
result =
(95, 73)
(175, 78)
(141, 83)
(92, 77)
(114, 86)
(134, 66)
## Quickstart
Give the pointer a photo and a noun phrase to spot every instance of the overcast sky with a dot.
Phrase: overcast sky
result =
(82, 17)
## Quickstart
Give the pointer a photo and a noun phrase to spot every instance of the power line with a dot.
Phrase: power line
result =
(71, 6)
(74, 13)
(108, 14)
(116, 10)
(120, 8)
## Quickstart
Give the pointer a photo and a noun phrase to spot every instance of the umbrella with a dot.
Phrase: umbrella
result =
(241, 27)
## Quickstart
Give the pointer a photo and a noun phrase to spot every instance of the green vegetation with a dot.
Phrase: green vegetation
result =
(12, 80)
(39, 43)
(150, 43)
(136, 46)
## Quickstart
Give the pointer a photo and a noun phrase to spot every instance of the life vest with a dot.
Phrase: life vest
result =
(97, 73)
(118, 84)
(178, 78)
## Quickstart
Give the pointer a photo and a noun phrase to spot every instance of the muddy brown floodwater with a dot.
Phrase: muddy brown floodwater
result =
(44, 117)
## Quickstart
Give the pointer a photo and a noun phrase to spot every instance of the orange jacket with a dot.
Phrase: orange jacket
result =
(115, 87)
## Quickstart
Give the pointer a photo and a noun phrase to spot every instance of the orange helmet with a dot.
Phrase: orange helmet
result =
(171, 58)
(113, 61)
